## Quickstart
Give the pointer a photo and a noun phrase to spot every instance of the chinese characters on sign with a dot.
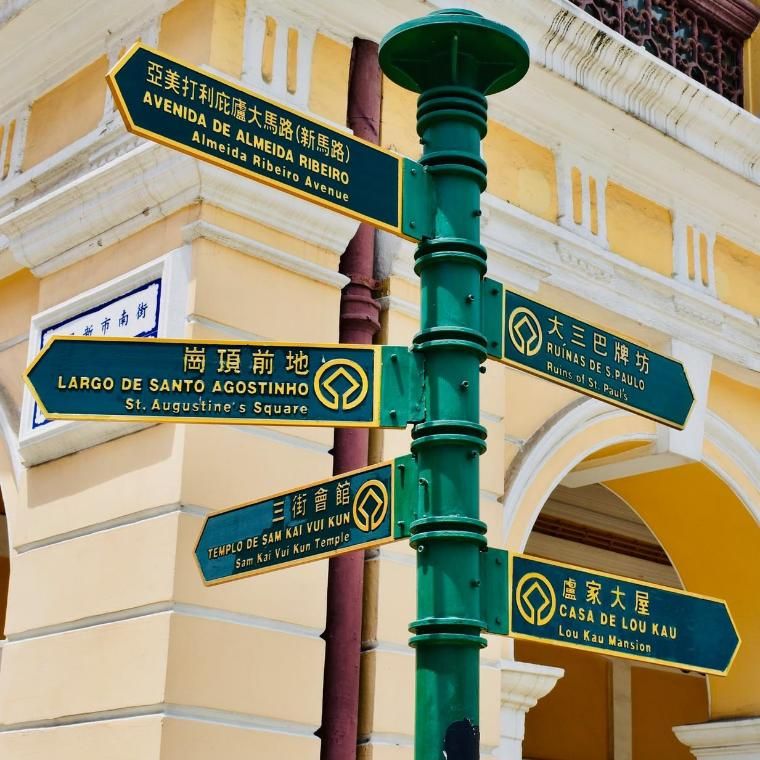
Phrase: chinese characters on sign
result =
(348, 512)
(589, 359)
(178, 381)
(197, 113)
(131, 315)
(585, 609)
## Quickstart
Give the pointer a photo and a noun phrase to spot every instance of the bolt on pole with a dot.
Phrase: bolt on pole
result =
(453, 58)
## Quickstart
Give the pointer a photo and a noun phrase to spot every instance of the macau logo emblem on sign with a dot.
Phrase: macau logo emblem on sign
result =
(370, 506)
(535, 598)
(525, 331)
(337, 395)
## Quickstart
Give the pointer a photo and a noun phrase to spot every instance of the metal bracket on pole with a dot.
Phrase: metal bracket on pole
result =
(403, 383)
(405, 495)
(418, 201)
(494, 572)
(493, 316)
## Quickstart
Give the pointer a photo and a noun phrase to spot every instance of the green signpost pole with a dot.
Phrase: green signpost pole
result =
(454, 59)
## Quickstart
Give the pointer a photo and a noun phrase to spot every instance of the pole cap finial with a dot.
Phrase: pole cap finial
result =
(454, 47)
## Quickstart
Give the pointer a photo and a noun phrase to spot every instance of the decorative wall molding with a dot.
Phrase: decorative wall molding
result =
(41, 443)
(577, 265)
(522, 685)
(722, 740)
(136, 189)
(242, 244)
(581, 195)
(65, 37)
(289, 80)
(584, 414)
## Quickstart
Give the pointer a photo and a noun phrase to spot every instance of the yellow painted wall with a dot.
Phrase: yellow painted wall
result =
(101, 483)
(639, 229)
(737, 403)
(571, 722)
(12, 365)
(151, 242)
(328, 95)
(546, 399)
(398, 130)
(113, 739)
(206, 31)
(18, 296)
(520, 171)
(196, 740)
(186, 31)
(66, 113)
(227, 36)
(710, 537)
(659, 701)
(737, 275)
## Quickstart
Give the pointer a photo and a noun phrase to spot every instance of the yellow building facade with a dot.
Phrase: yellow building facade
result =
(620, 190)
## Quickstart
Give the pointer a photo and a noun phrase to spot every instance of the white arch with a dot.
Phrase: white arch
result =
(726, 452)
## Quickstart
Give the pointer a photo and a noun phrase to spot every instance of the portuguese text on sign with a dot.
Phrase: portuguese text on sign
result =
(351, 511)
(159, 380)
(559, 347)
(193, 111)
(586, 609)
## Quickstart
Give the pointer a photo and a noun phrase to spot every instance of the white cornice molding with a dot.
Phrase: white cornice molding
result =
(519, 241)
(611, 100)
(47, 41)
(258, 250)
(115, 200)
(723, 739)
(569, 42)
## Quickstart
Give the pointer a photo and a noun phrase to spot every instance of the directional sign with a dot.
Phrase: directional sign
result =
(198, 113)
(559, 347)
(351, 511)
(586, 609)
(158, 380)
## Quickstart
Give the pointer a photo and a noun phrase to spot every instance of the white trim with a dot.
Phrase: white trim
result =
(400, 306)
(522, 685)
(529, 463)
(578, 417)
(168, 710)
(255, 26)
(255, 249)
(581, 268)
(66, 37)
(163, 608)
(133, 518)
(722, 740)
(60, 437)
(576, 58)
(132, 190)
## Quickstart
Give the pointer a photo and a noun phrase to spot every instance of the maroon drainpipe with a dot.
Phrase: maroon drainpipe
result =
(359, 321)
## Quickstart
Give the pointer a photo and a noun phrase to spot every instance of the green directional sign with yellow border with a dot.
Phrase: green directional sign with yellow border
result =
(586, 609)
(194, 111)
(354, 510)
(559, 347)
(164, 380)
